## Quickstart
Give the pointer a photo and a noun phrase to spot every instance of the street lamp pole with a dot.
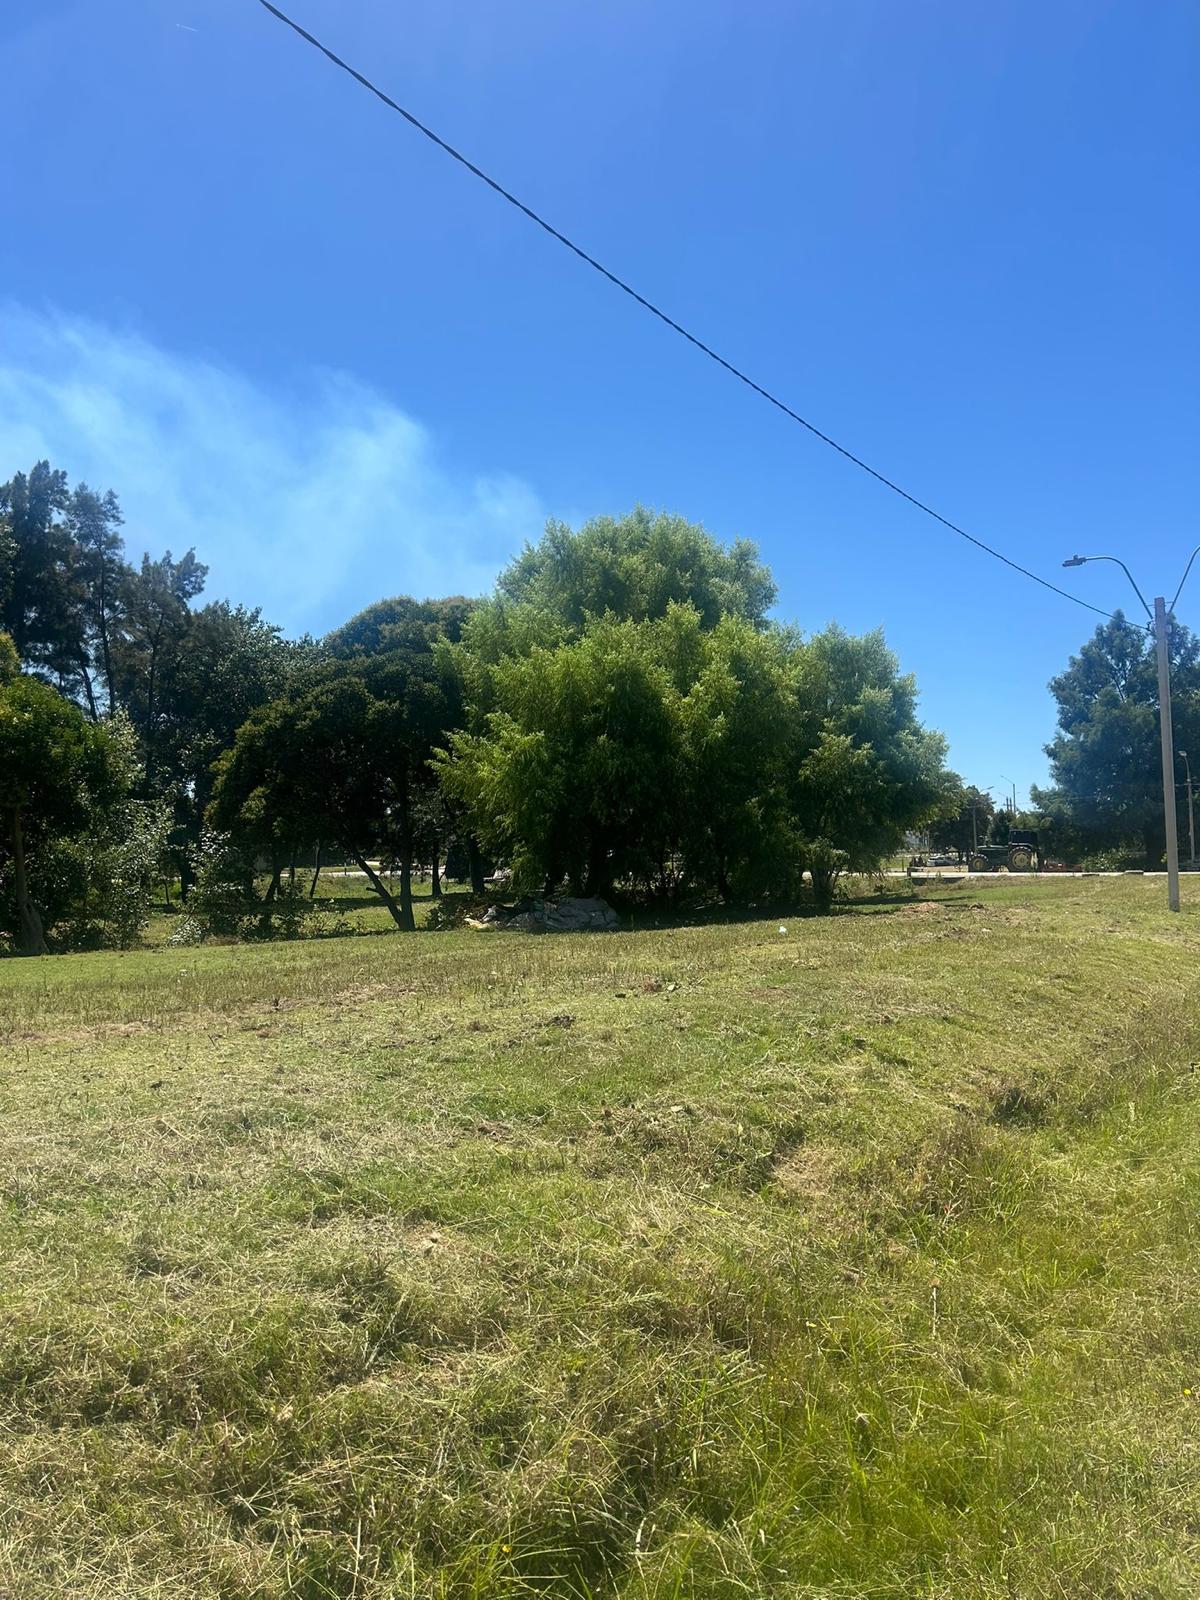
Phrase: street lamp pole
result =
(1187, 765)
(1168, 750)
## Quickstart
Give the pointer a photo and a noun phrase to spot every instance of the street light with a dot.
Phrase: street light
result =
(1158, 618)
(1080, 561)
(1187, 767)
(1183, 580)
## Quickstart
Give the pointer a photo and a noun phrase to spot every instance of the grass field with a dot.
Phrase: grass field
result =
(839, 1257)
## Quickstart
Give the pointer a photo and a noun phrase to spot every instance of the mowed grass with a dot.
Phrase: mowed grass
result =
(838, 1257)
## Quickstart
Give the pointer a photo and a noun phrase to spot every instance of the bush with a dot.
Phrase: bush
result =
(224, 903)
(1114, 861)
(223, 894)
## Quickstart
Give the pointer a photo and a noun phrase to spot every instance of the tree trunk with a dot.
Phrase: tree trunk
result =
(312, 888)
(89, 691)
(105, 651)
(33, 935)
(823, 882)
(1153, 842)
(149, 739)
(406, 857)
(381, 889)
(475, 858)
(292, 872)
(723, 888)
(597, 875)
(276, 875)
(435, 881)
(19, 632)
(406, 902)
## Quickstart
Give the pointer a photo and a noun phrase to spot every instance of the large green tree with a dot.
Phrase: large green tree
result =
(736, 716)
(64, 582)
(94, 521)
(635, 567)
(226, 662)
(632, 569)
(344, 758)
(157, 625)
(867, 770)
(1105, 758)
(574, 773)
(40, 592)
(62, 777)
(969, 816)
(414, 628)
(667, 754)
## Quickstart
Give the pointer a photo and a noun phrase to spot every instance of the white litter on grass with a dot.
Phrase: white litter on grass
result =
(782, 929)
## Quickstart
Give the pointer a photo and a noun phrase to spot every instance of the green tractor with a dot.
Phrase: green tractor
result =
(1020, 854)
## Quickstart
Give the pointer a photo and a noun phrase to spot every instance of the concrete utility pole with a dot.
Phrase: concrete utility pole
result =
(1168, 750)
(1187, 766)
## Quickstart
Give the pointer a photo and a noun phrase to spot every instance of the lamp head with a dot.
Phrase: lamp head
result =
(1075, 561)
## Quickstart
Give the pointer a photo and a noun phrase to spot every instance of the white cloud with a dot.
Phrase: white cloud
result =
(309, 504)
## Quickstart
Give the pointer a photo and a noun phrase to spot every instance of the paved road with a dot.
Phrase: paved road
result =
(922, 875)
(925, 874)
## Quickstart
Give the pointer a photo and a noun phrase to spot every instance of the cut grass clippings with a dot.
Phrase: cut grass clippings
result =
(840, 1257)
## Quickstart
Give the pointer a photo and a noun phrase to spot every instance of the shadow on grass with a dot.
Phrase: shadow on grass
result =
(454, 907)
(449, 913)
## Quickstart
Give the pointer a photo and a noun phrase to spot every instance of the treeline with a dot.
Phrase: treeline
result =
(620, 716)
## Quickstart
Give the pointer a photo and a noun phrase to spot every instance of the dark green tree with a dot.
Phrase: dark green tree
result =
(414, 628)
(60, 775)
(968, 823)
(41, 593)
(344, 759)
(8, 558)
(157, 621)
(399, 624)
(105, 581)
(227, 662)
(1105, 761)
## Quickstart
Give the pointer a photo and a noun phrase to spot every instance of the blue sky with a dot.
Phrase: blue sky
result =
(961, 238)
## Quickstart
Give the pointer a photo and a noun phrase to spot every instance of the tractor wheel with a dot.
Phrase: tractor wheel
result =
(978, 863)
(1020, 858)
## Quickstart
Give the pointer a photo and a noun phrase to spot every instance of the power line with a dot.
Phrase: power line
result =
(656, 311)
